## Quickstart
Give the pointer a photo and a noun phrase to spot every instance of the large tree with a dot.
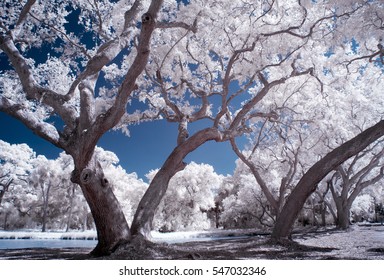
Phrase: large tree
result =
(57, 52)
(212, 78)
(282, 147)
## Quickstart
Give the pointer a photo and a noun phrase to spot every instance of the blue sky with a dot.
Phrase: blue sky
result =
(147, 148)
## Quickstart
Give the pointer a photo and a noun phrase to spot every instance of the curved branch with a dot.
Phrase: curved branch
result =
(290, 30)
(227, 80)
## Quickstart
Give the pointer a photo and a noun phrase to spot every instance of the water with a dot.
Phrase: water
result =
(45, 243)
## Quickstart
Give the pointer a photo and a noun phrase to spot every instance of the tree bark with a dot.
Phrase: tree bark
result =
(146, 210)
(308, 183)
(111, 225)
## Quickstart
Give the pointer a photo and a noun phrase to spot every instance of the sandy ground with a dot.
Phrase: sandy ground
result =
(359, 242)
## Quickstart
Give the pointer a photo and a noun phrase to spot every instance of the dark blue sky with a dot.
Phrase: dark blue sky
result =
(147, 148)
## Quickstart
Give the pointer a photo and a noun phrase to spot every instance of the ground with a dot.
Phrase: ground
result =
(359, 242)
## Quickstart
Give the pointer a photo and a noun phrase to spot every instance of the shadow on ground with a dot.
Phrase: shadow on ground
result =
(246, 247)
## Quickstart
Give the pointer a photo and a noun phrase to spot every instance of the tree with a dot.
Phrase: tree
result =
(284, 144)
(45, 196)
(15, 165)
(62, 86)
(56, 194)
(351, 178)
(44, 179)
(363, 208)
(226, 84)
(243, 204)
(214, 86)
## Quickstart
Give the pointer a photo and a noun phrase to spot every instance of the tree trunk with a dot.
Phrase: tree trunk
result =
(308, 183)
(4, 188)
(111, 225)
(45, 206)
(146, 210)
(342, 206)
(343, 215)
(6, 214)
(71, 199)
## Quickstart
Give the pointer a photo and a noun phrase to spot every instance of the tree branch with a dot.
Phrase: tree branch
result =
(107, 51)
(166, 25)
(113, 115)
(39, 127)
(30, 86)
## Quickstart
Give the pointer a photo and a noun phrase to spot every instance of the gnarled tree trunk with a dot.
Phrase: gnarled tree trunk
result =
(308, 183)
(111, 225)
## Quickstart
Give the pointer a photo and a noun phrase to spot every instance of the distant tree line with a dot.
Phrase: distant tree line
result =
(40, 196)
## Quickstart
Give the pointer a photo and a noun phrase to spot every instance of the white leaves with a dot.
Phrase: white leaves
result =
(15, 160)
(55, 74)
(189, 196)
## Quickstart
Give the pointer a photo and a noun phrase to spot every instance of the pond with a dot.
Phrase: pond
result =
(45, 243)
(61, 243)
(56, 240)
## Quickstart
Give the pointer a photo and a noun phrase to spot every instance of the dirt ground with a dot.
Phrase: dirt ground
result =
(359, 242)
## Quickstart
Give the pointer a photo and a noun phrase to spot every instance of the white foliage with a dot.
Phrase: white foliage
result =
(189, 197)
(363, 208)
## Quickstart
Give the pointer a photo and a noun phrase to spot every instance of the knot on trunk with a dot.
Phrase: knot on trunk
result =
(104, 182)
(146, 18)
(86, 176)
